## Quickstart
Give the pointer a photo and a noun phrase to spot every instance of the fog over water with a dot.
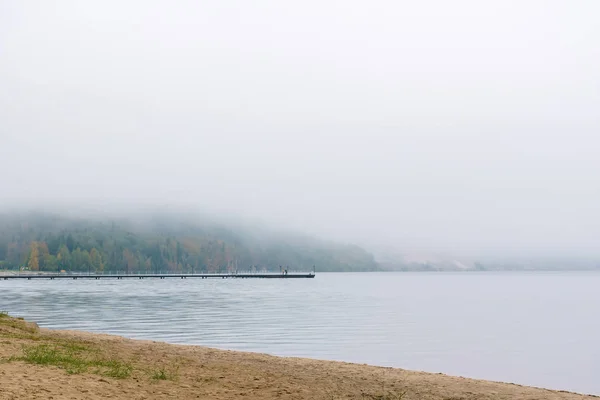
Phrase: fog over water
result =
(464, 127)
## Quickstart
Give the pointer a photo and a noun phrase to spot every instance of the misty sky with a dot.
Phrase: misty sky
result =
(459, 126)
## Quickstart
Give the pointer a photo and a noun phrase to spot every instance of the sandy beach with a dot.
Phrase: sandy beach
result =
(45, 364)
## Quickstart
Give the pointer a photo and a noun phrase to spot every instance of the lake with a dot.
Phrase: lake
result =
(539, 329)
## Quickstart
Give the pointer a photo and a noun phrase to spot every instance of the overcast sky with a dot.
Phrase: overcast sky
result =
(462, 126)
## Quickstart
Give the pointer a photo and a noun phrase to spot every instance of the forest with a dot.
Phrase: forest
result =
(163, 243)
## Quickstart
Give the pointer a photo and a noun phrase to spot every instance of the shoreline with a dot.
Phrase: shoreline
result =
(62, 364)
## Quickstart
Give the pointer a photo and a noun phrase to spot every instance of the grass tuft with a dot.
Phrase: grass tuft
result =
(160, 375)
(165, 374)
(75, 359)
(116, 369)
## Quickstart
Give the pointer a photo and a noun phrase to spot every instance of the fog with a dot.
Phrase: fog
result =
(466, 127)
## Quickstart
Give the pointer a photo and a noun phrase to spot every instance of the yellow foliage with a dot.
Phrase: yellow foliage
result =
(34, 263)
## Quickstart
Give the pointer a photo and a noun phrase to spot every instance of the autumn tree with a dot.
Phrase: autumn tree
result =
(34, 263)
(130, 260)
(96, 260)
(43, 254)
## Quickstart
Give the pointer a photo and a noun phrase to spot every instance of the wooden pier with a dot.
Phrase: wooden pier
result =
(160, 276)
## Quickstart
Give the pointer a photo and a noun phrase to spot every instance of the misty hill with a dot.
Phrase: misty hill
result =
(161, 242)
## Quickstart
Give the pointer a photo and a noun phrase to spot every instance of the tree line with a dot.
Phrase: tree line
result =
(41, 242)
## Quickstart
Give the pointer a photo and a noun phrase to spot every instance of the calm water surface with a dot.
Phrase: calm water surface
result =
(540, 329)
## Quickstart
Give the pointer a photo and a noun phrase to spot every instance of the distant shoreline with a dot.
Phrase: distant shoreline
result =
(84, 365)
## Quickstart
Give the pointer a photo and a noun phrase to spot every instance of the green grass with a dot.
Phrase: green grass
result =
(116, 369)
(75, 347)
(75, 359)
(165, 374)
(160, 375)
(73, 356)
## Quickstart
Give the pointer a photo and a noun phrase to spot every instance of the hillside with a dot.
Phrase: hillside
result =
(163, 243)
